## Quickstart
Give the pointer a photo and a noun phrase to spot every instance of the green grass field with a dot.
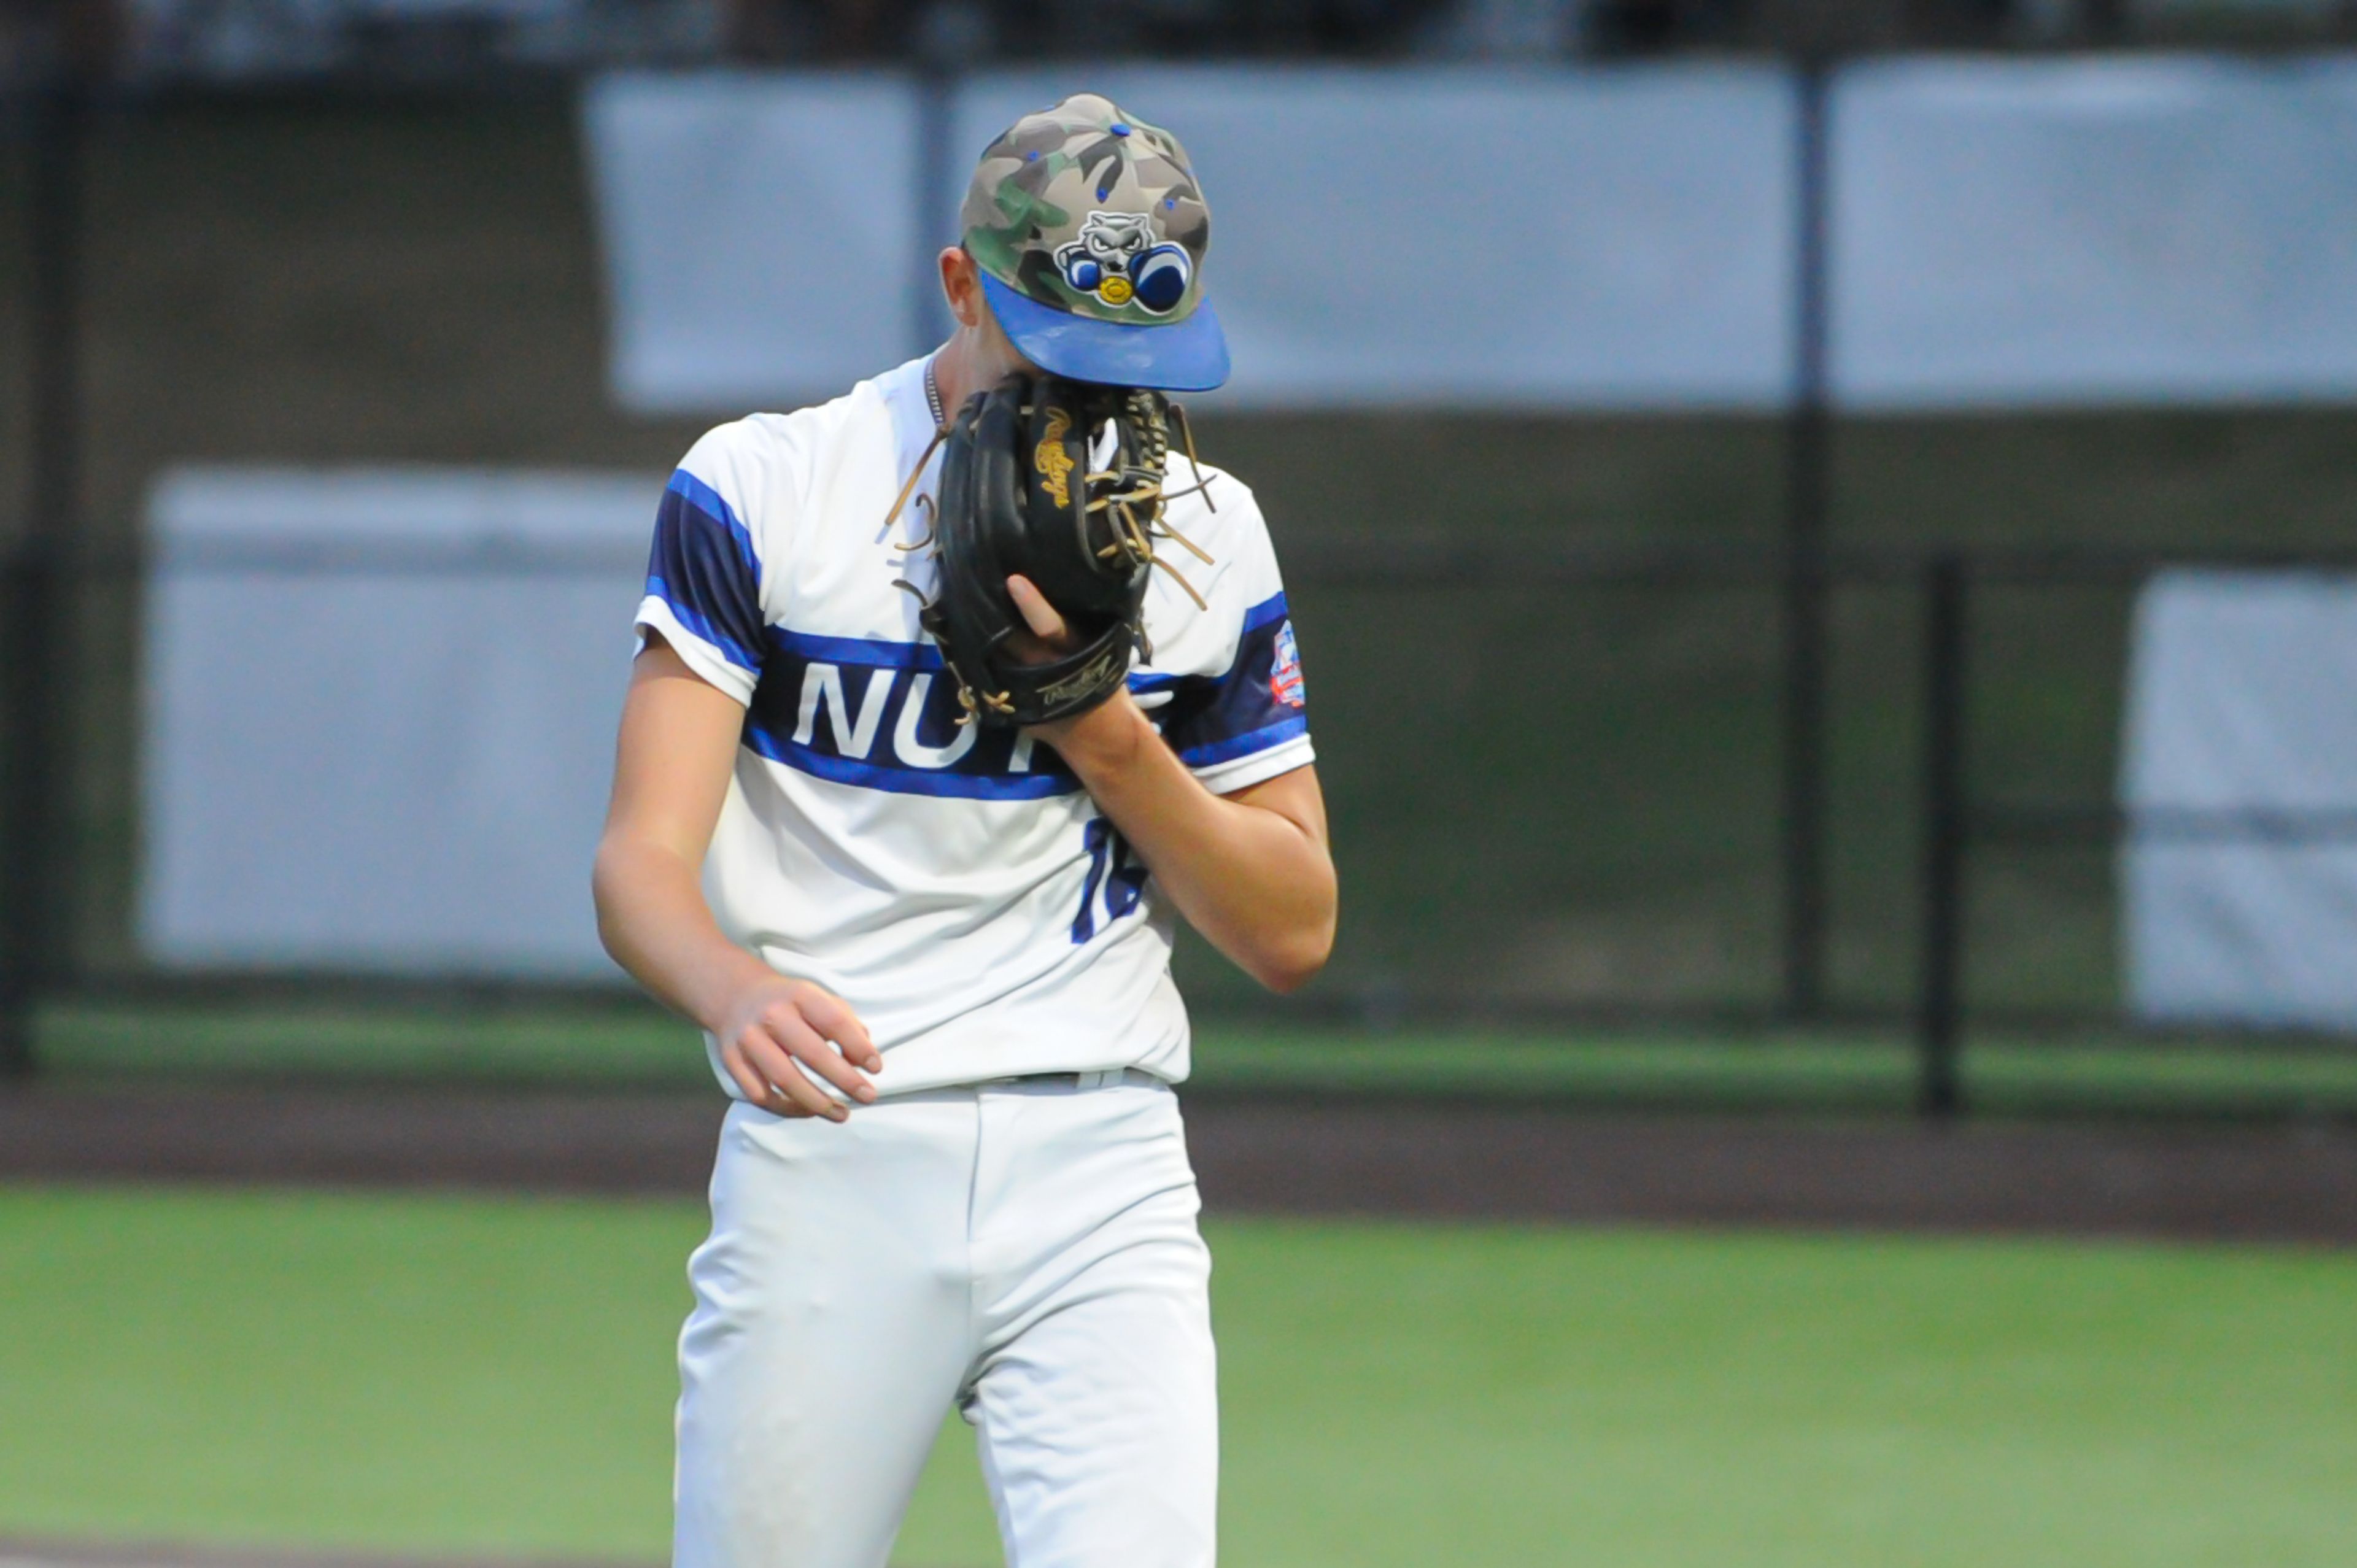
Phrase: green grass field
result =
(628, 1045)
(444, 1376)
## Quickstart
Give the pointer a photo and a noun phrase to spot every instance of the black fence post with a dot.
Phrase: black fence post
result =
(1808, 456)
(1939, 1093)
(35, 880)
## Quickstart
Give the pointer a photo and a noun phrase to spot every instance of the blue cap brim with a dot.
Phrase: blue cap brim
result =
(1186, 355)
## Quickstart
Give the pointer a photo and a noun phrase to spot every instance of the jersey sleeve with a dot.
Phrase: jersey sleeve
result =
(704, 572)
(1247, 720)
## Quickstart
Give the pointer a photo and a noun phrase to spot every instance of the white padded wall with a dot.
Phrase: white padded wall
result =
(379, 710)
(2239, 701)
(1610, 239)
(759, 234)
(2093, 231)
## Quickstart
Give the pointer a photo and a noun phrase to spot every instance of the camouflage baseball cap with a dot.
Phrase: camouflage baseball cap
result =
(1090, 233)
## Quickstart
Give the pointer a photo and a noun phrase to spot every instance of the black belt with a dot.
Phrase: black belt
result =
(1104, 1078)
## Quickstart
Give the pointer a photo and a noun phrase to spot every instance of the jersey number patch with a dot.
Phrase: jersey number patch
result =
(1115, 872)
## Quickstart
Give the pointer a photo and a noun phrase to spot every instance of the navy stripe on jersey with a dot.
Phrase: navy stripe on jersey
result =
(704, 567)
(1258, 703)
(884, 714)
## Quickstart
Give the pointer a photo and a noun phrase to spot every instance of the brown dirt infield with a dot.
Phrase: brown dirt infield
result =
(2279, 1182)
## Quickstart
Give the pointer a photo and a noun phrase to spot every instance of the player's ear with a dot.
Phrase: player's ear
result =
(962, 286)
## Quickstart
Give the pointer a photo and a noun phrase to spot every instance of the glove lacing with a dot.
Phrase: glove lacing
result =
(1138, 513)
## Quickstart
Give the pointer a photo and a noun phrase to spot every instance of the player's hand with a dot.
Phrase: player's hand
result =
(1109, 728)
(775, 1033)
(1050, 637)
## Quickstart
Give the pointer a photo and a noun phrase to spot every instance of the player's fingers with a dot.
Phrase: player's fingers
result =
(742, 1074)
(748, 1076)
(786, 1026)
(1038, 613)
(790, 1093)
(831, 1015)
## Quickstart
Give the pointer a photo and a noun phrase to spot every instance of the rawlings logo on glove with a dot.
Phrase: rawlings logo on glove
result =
(1052, 463)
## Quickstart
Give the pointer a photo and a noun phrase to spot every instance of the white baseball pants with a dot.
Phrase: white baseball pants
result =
(1027, 1251)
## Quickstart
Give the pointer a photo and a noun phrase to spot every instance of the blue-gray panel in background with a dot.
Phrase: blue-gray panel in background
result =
(1480, 238)
(2094, 230)
(758, 231)
(2237, 701)
(380, 711)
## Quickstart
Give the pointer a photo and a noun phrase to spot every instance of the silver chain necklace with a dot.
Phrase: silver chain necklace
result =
(941, 434)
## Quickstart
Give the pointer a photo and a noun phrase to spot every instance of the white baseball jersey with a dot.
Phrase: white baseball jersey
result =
(954, 883)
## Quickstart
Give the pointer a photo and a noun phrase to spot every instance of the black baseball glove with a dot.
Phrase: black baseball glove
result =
(1020, 494)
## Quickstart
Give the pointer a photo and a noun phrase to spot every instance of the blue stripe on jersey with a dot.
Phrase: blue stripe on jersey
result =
(948, 783)
(1254, 705)
(873, 653)
(839, 708)
(1277, 734)
(1269, 609)
(704, 567)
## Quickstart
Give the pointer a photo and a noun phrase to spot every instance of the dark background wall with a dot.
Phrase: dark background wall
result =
(1540, 794)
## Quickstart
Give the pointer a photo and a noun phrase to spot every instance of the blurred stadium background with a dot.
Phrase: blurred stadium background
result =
(1822, 534)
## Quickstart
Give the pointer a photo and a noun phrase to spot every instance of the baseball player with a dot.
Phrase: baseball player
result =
(920, 889)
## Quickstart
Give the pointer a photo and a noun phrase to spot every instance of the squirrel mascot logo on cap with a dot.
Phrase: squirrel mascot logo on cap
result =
(1116, 259)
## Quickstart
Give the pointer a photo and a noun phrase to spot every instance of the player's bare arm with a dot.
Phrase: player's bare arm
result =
(679, 739)
(1251, 870)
